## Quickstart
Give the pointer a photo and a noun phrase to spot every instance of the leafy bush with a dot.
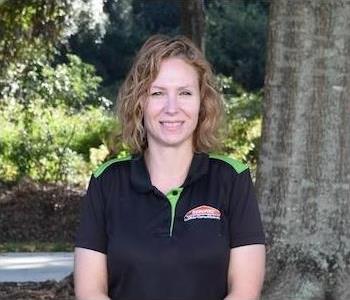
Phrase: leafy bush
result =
(74, 84)
(243, 121)
(50, 143)
(51, 116)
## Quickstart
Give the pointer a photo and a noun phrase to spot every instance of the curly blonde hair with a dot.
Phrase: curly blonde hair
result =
(135, 89)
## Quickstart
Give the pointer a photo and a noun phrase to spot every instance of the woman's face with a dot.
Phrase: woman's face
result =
(172, 107)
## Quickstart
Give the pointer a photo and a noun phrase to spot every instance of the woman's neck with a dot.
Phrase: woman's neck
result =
(168, 167)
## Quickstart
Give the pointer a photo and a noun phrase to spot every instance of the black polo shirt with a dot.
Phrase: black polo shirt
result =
(174, 246)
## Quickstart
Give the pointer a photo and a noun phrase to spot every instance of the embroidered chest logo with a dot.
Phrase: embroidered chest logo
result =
(203, 212)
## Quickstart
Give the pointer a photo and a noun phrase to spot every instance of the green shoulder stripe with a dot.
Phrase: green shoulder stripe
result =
(105, 165)
(236, 164)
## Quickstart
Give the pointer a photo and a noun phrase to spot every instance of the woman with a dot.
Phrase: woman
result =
(171, 222)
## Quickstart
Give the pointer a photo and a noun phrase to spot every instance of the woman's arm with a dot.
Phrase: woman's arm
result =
(90, 275)
(246, 272)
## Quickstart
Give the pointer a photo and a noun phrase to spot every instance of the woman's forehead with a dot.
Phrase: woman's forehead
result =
(175, 71)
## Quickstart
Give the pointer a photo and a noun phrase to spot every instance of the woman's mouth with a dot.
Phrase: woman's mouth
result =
(171, 124)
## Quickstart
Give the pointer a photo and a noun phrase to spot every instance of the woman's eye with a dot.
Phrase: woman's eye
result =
(156, 94)
(186, 93)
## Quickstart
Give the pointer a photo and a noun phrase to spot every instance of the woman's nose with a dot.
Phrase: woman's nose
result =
(171, 104)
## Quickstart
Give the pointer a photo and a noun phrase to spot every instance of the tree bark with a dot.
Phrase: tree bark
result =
(303, 174)
(193, 21)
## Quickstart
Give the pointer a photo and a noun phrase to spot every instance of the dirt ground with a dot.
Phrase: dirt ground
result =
(33, 212)
(47, 290)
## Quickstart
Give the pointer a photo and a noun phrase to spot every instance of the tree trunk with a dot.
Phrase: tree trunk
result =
(193, 21)
(303, 174)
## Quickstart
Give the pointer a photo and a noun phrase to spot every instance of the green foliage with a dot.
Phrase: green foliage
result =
(51, 118)
(30, 28)
(50, 143)
(236, 40)
(73, 84)
(243, 121)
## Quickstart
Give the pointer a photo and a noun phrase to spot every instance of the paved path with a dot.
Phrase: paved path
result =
(19, 267)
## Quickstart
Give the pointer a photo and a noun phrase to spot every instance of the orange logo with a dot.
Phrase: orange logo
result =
(202, 212)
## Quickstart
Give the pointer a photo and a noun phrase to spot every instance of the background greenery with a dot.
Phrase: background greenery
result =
(61, 63)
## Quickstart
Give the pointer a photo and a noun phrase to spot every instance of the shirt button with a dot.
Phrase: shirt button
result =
(174, 193)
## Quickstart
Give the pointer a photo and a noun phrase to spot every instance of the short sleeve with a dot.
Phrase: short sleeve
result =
(244, 216)
(91, 233)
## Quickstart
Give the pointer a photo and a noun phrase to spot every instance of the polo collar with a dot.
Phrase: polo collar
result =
(141, 181)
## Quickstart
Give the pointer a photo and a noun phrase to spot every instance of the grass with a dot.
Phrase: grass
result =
(35, 247)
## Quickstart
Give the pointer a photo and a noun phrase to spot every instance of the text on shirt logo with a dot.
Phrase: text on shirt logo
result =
(203, 212)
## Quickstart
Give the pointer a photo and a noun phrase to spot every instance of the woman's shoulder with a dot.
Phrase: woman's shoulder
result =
(111, 164)
(229, 163)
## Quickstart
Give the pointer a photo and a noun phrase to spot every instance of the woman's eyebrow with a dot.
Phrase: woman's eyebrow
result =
(185, 87)
(157, 87)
